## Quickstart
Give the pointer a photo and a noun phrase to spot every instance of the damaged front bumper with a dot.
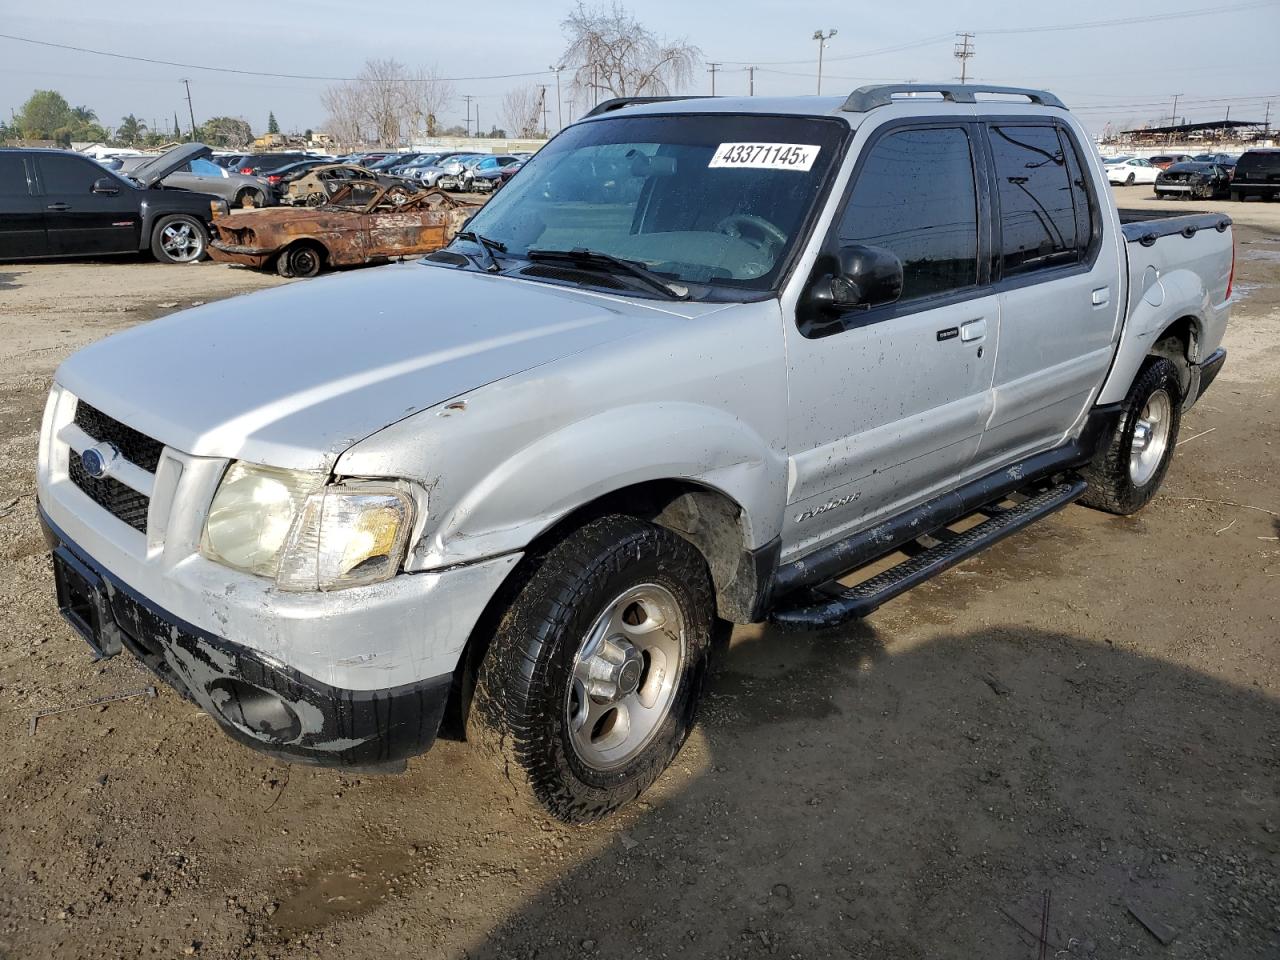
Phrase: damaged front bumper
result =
(265, 705)
(246, 256)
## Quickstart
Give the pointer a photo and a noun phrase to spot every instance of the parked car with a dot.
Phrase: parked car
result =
(361, 223)
(411, 169)
(192, 171)
(432, 174)
(696, 362)
(1131, 170)
(281, 177)
(1227, 161)
(1257, 174)
(55, 203)
(314, 187)
(261, 164)
(1166, 160)
(482, 175)
(1193, 180)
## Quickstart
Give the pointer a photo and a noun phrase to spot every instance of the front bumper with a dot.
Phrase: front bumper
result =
(261, 703)
(257, 257)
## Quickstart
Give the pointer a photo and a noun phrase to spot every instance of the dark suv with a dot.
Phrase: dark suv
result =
(1257, 174)
(54, 203)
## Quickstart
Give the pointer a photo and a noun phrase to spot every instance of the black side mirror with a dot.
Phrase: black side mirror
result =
(106, 186)
(860, 278)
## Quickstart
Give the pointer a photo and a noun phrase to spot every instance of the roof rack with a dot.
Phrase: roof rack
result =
(882, 94)
(619, 102)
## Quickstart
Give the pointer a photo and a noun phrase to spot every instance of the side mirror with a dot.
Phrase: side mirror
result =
(106, 186)
(863, 277)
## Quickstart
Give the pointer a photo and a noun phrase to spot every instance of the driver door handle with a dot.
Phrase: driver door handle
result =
(974, 330)
(59, 206)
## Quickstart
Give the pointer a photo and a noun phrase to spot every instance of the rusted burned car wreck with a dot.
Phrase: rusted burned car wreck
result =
(362, 223)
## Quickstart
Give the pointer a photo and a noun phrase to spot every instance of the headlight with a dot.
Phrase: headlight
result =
(288, 525)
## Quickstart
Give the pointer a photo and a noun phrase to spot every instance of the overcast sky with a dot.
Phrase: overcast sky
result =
(1120, 73)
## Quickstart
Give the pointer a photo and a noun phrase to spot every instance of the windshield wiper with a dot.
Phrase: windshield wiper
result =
(582, 257)
(487, 245)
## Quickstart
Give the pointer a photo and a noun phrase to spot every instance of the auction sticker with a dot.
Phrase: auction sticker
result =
(765, 156)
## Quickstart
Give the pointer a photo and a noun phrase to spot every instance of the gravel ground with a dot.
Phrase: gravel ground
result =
(1083, 720)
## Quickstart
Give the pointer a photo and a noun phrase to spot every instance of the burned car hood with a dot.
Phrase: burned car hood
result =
(153, 171)
(292, 377)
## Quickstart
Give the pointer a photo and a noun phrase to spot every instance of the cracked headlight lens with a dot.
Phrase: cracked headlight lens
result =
(346, 535)
(252, 513)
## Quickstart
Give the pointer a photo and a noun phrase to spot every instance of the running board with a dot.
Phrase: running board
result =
(832, 604)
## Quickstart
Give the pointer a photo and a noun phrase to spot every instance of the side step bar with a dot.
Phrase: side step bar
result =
(833, 604)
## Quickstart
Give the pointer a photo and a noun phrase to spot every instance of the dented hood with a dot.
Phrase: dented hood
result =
(293, 376)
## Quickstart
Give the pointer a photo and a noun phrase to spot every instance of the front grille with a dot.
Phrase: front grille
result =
(116, 498)
(135, 447)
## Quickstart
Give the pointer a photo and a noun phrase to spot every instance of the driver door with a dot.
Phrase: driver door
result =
(888, 404)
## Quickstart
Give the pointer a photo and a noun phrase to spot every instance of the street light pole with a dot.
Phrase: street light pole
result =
(559, 112)
(822, 39)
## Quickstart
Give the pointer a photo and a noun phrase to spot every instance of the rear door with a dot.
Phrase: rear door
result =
(21, 210)
(887, 404)
(1059, 288)
(80, 221)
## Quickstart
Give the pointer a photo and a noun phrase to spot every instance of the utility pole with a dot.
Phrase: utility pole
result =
(751, 81)
(478, 118)
(559, 111)
(187, 83)
(1266, 123)
(711, 69)
(822, 39)
(1173, 120)
(542, 108)
(964, 53)
(468, 98)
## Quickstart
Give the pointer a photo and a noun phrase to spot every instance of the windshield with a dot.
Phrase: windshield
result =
(697, 198)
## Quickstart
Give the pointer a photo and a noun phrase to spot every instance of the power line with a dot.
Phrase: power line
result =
(964, 52)
(255, 73)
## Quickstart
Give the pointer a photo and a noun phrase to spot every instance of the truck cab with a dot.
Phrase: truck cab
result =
(698, 360)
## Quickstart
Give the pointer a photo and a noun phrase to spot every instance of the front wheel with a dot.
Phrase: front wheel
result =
(179, 239)
(1130, 180)
(1127, 470)
(592, 681)
(302, 260)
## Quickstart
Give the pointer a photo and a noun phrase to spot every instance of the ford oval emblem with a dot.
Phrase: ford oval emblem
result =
(97, 460)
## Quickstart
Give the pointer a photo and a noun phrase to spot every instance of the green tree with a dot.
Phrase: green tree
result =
(43, 115)
(307, 134)
(131, 130)
(83, 116)
(272, 126)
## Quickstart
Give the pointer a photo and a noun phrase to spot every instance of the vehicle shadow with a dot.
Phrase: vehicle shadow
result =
(7, 281)
(930, 801)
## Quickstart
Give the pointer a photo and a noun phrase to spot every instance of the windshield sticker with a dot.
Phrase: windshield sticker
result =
(765, 156)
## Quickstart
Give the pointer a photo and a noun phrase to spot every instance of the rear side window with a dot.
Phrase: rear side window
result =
(65, 174)
(13, 176)
(915, 196)
(1038, 226)
(1259, 163)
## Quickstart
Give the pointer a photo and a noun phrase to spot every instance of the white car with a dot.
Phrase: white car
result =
(1130, 170)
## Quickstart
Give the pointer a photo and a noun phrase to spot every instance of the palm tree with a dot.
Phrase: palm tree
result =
(130, 129)
(83, 116)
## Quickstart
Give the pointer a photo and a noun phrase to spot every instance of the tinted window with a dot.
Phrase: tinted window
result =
(1037, 214)
(62, 173)
(1081, 196)
(13, 176)
(1258, 163)
(915, 196)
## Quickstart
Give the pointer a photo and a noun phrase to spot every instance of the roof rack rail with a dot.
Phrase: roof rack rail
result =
(617, 103)
(882, 94)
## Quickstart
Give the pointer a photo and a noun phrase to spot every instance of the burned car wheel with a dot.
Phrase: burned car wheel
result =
(301, 260)
(179, 239)
(591, 683)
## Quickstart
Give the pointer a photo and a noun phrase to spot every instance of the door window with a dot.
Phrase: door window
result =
(13, 176)
(65, 174)
(915, 196)
(1037, 214)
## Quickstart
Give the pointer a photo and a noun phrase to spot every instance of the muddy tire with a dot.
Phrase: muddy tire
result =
(179, 238)
(1129, 467)
(592, 680)
(300, 260)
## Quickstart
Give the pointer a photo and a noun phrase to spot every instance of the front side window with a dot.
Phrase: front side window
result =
(1037, 214)
(702, 199)
(65, 174)
(915, 196)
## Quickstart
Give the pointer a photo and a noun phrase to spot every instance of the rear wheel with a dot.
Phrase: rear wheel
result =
(593, 677)
(250, 198)
(179, 238)
(1129, 181)
(1128, 469)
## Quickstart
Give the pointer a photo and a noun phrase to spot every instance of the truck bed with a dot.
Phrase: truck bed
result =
(1148, 226)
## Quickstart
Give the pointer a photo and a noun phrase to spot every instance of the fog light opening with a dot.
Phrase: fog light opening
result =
(262, 714)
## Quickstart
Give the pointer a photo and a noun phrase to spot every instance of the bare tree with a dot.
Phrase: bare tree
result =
(385, 102)
(522, 111)
(614, 55)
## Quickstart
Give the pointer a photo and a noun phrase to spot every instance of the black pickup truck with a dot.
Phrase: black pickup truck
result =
(55, 203)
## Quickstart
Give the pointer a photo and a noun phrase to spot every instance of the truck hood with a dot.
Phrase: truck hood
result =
(294, 376)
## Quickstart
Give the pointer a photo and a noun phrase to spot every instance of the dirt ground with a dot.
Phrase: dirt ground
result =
(1084, 719)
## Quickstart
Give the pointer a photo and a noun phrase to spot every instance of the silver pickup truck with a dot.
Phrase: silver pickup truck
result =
(698, 361)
